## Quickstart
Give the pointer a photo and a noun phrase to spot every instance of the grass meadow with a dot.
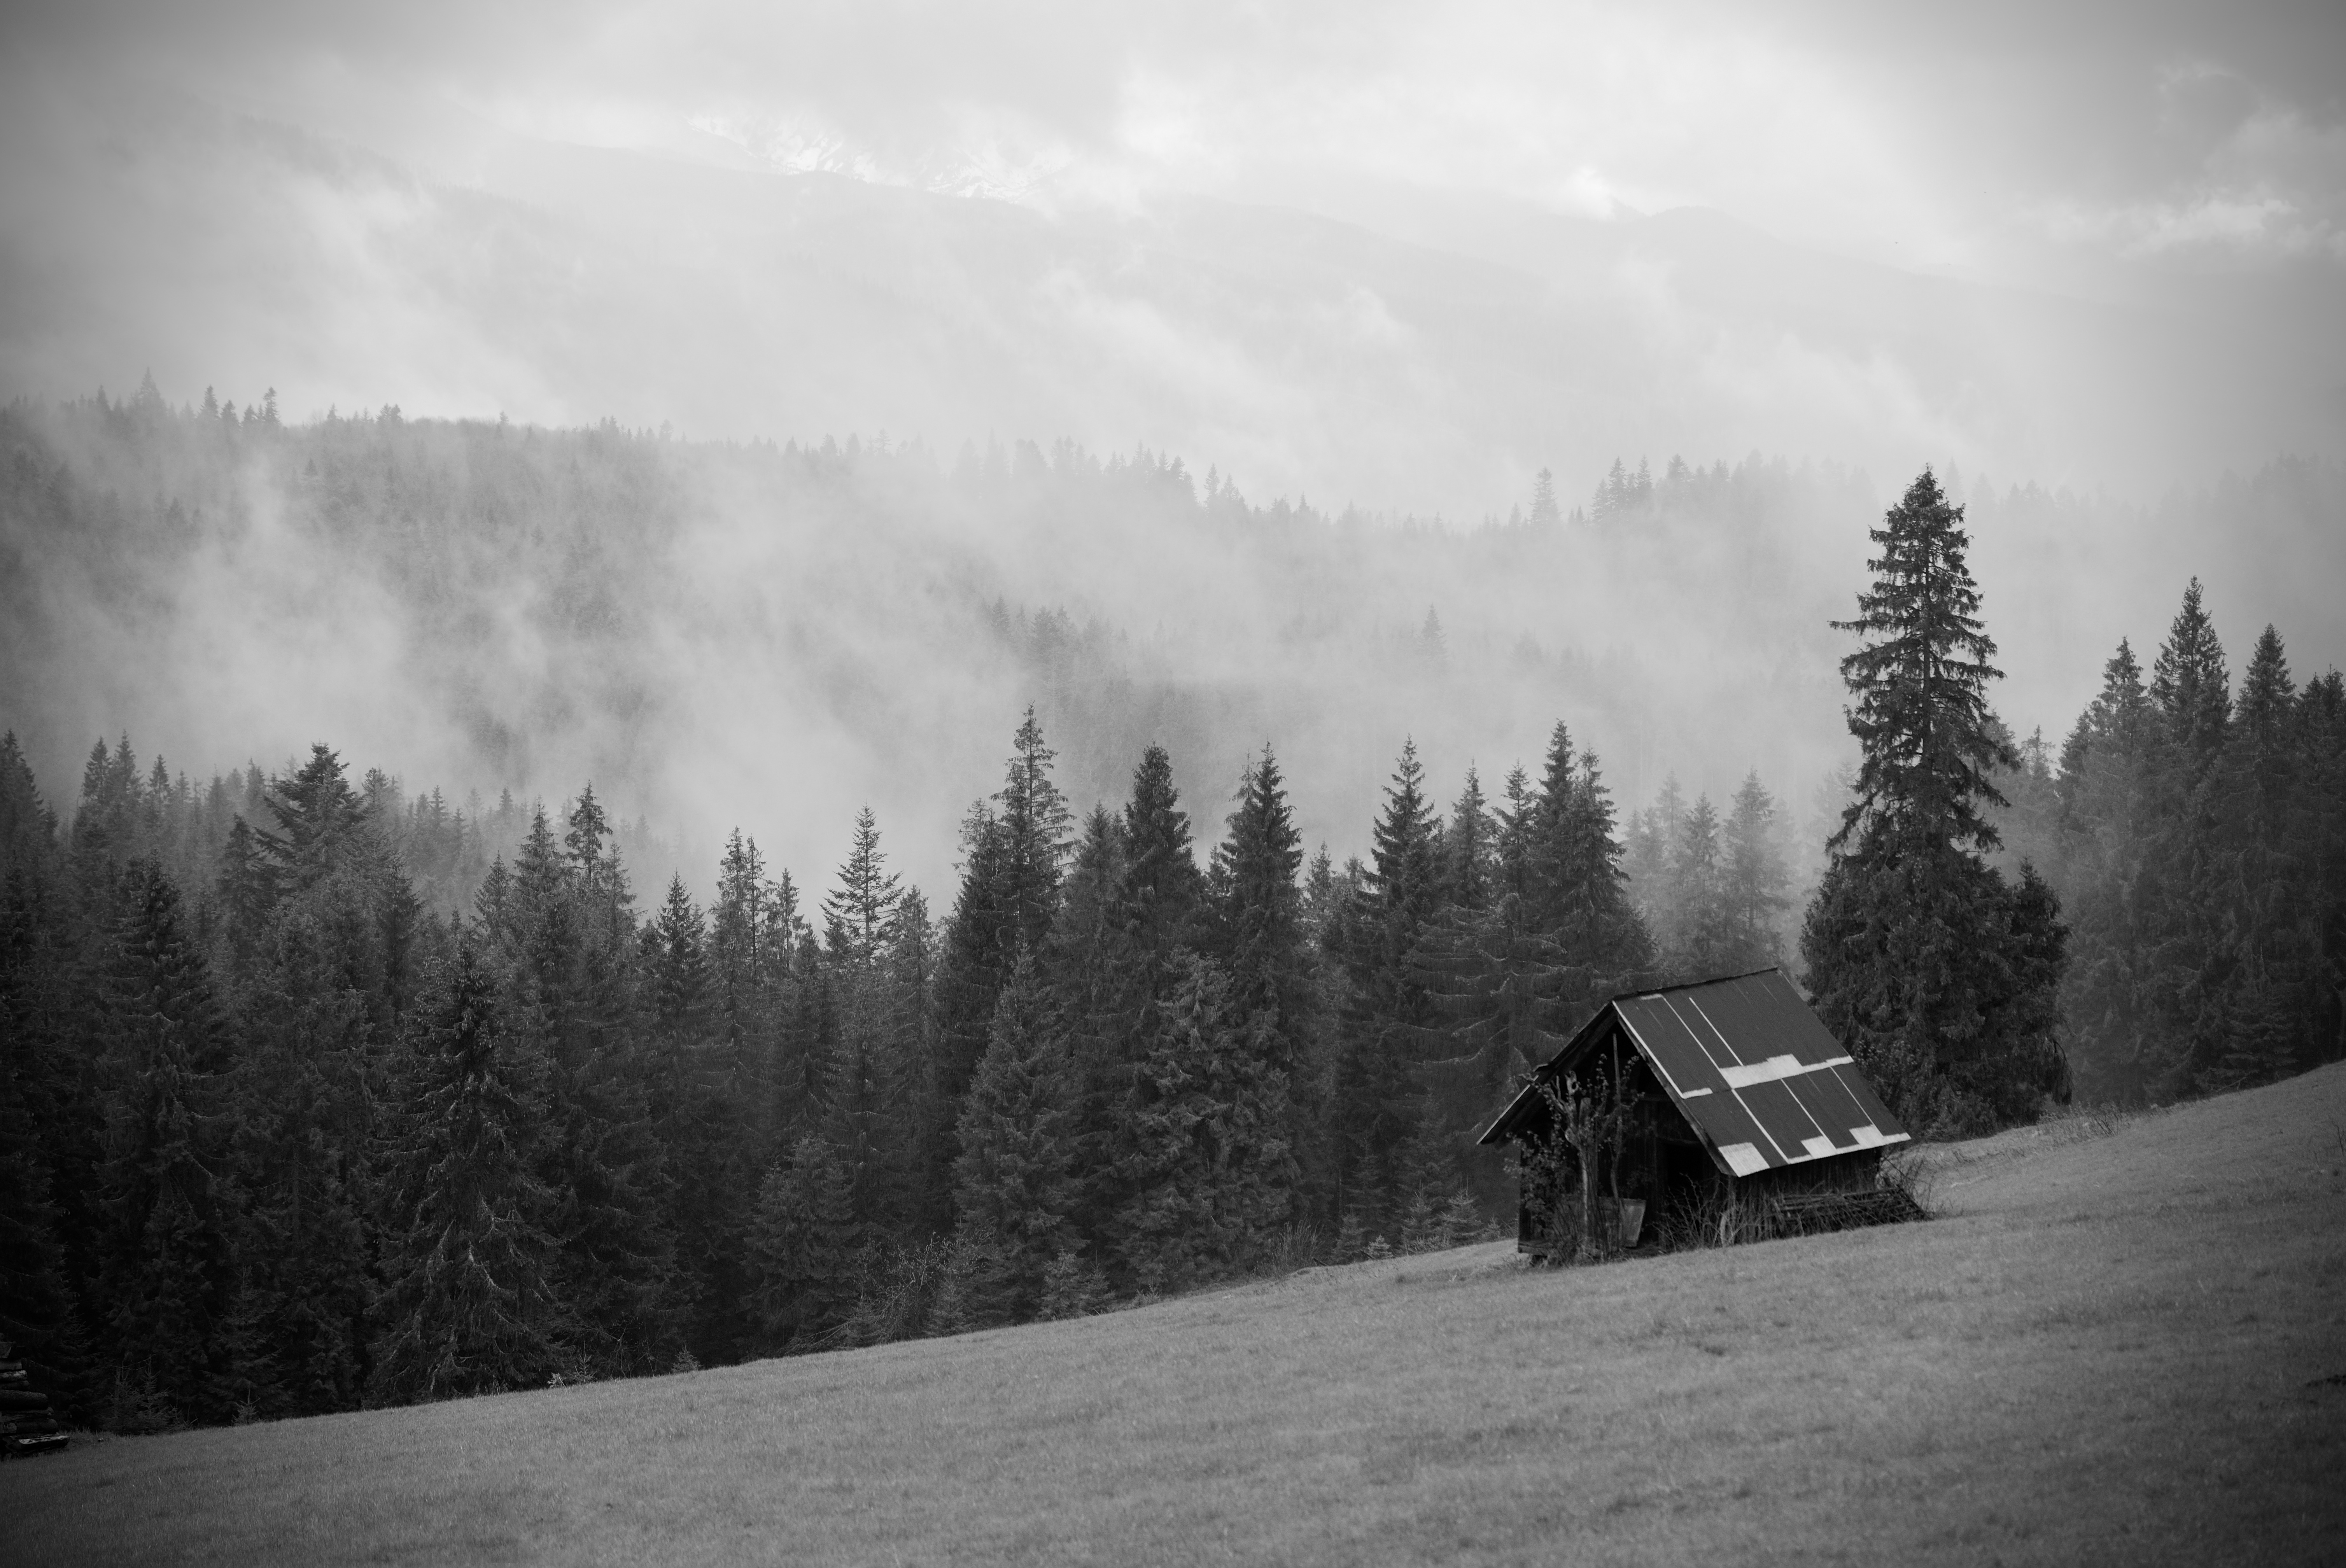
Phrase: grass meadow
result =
(2120, 1340)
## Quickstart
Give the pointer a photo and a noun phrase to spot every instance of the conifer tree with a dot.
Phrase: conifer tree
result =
(1405, 885)
(1697, 940)
(859, 915)
(1011, 871)
(28, 829)
(1162, 891)
(869, 1067)
(2191, 687)
(749, 956)
(37, 1310)
(470, 1309)
(319, 818)
(807, 1044)
(37, 1307)
(1495, 981)
(169, 1270)
(617, 1247)
(1072, 1286)
(1925, 963)
(2259, 782)
(1546, 512)
(1035, 830)
(1014, 1178)
(2190, 954)
(1376, 1088)
(2107, 767)
(1090, 970)
(106, 823)
(1577, 893)
(2322, 729)
(1468, 847)
(304, 1094)
(247, 891)
(1433, 1188)
(911, 969)
(968, 985)
(803, 1241)
(1207, 1161)
(696, 1122)
(1753, 877)
(1266, 949)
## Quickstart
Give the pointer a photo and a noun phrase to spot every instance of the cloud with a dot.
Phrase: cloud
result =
(569, 212)
(1884, 132)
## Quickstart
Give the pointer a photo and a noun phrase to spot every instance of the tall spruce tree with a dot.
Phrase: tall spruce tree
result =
(37, 1308)
(305, 1092)
(2322, 727)
(28, 829)
(697, 1125)
(319, 818)
(859, 915)
(1207, 1157)
(1265, 948)
(749, 960)
(1015, 1177)
(600, 1157)
(1035, 826)
(42, 1111)
(1578, 890)
(2261, 783)
(1923, 961)
(1162, 890)
(2191, 953)
(1495, 980)
(1752, 881)
(1013, 853)
(470, 1307)
(169, 1270)
(870, 1066)
(1090, 970)
(1376, 1083)
(970, 973)
(2108, 765)
(1468, 847)
(802, 1246)
(1698, 940)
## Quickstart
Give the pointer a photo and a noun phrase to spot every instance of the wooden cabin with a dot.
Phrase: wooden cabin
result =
(1743, 1109)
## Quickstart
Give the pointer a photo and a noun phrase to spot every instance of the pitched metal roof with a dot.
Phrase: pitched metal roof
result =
(1751, 1068)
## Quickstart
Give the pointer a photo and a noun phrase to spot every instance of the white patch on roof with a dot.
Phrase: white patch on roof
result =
(1818, 1148)
(1743, 1158)
(1774, 1069)
(1869, 1137)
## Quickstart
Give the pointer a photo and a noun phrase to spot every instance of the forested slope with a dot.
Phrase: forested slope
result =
(325, 1088)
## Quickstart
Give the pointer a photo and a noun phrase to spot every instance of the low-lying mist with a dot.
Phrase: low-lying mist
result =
(772, 637)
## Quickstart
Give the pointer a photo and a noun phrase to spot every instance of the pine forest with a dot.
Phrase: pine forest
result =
(322, 1089)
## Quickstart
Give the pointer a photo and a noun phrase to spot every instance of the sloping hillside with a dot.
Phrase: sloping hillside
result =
(2116, 1344)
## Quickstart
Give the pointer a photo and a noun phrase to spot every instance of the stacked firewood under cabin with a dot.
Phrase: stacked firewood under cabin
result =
(27, 1425)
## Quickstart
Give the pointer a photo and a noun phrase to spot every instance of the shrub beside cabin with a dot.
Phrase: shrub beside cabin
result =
(1725, 1104)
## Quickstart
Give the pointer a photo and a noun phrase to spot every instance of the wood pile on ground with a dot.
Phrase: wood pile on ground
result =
(1811, 1214)
(27, 1425)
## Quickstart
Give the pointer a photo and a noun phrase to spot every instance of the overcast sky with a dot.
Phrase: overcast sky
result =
(2020, 142)
(1401, 256)
(2185, 160)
